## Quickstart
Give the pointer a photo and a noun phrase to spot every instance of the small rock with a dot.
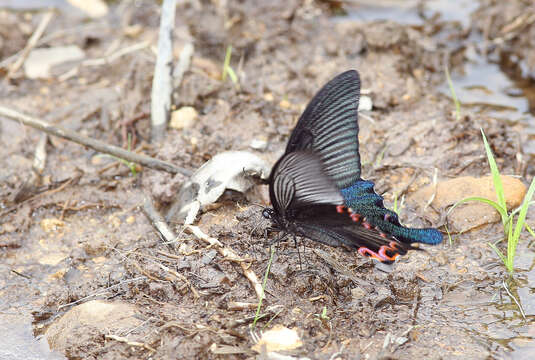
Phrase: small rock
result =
(97, 315)
(278, 338)
(183, 118)
(51, 224)
(40, 61)
(259, 144)
(7, 228)
(357, 293)
(269, 97)
(285, 104)
(473, 214)
(94, 8)
(208, 257)
(52, 259)
(365, 103)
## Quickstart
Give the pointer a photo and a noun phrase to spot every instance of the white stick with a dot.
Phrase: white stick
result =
(162, 81)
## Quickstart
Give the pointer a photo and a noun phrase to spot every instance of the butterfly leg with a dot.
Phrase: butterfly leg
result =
(298, 253)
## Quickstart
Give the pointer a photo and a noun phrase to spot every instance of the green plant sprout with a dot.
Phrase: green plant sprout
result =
(449, 235)
(500, 205)
(323, 315)
(453, 94)
(131, 165)
(380, 156)
(398, 205)
(257, 315)
(227, 69)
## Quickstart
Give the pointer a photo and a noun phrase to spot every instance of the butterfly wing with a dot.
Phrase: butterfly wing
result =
(334, 226)
(308, 203)
(298, 180)
(362, 199)
(329, 127)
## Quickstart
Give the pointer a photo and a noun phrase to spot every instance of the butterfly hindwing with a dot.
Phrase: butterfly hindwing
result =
(334, 226)
(329, 127)
(362, 199)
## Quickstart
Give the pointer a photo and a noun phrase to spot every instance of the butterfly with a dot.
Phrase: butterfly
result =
(316, 189)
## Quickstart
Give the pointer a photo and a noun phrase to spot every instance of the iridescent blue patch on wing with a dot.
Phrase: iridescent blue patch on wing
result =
(358, 189)
(362, 199)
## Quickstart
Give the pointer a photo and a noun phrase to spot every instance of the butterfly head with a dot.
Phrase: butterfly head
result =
(268, 213)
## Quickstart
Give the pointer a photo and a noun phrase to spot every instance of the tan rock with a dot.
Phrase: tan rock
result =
(51, 224)
(41, 60)
(473, 214)
(278, 338)
(183, 118)
(95, 316)
(94, 8)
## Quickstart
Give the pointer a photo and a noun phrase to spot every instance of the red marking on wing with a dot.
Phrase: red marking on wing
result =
(382, 252)
(382, 255)
(355, 217)
(340, 209)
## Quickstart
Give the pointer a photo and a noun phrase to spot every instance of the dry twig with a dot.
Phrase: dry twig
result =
(39, 160)
(182, 66)
(32, 42)
(130, 343)
(158, 221)
(97, 145)
(228, 254)
(162, 82)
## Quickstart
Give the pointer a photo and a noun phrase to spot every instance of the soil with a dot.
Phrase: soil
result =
(76, 231)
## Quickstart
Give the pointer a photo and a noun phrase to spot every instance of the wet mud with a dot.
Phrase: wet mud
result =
(76, 232)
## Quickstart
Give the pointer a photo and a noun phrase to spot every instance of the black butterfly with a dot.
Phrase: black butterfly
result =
(316, 189)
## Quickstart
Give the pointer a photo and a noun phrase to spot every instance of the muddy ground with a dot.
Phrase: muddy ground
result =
(76, 231)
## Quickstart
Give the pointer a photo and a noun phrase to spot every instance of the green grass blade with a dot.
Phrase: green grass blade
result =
(520, 222)
(511, 248)
(530, 230)
(449, 235)
(496, 178)
(517, 210)
(524, 210)
(257, 315)
(226, 63)
(497, 251)
(453, 94)
(232, 74)
(501, 210)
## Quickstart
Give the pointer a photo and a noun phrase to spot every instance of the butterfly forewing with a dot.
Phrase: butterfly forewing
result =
(329, 127)
(298, 179)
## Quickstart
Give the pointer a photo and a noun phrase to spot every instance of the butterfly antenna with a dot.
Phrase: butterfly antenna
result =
(260, 206)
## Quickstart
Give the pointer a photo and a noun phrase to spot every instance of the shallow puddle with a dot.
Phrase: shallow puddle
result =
(413, 12)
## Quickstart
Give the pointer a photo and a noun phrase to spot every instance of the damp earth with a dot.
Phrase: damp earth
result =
(85, 275)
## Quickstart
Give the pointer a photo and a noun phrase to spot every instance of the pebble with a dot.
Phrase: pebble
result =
(40, 61)
(183, 118)
(278, 338)
(106, 317)
(472, 214)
